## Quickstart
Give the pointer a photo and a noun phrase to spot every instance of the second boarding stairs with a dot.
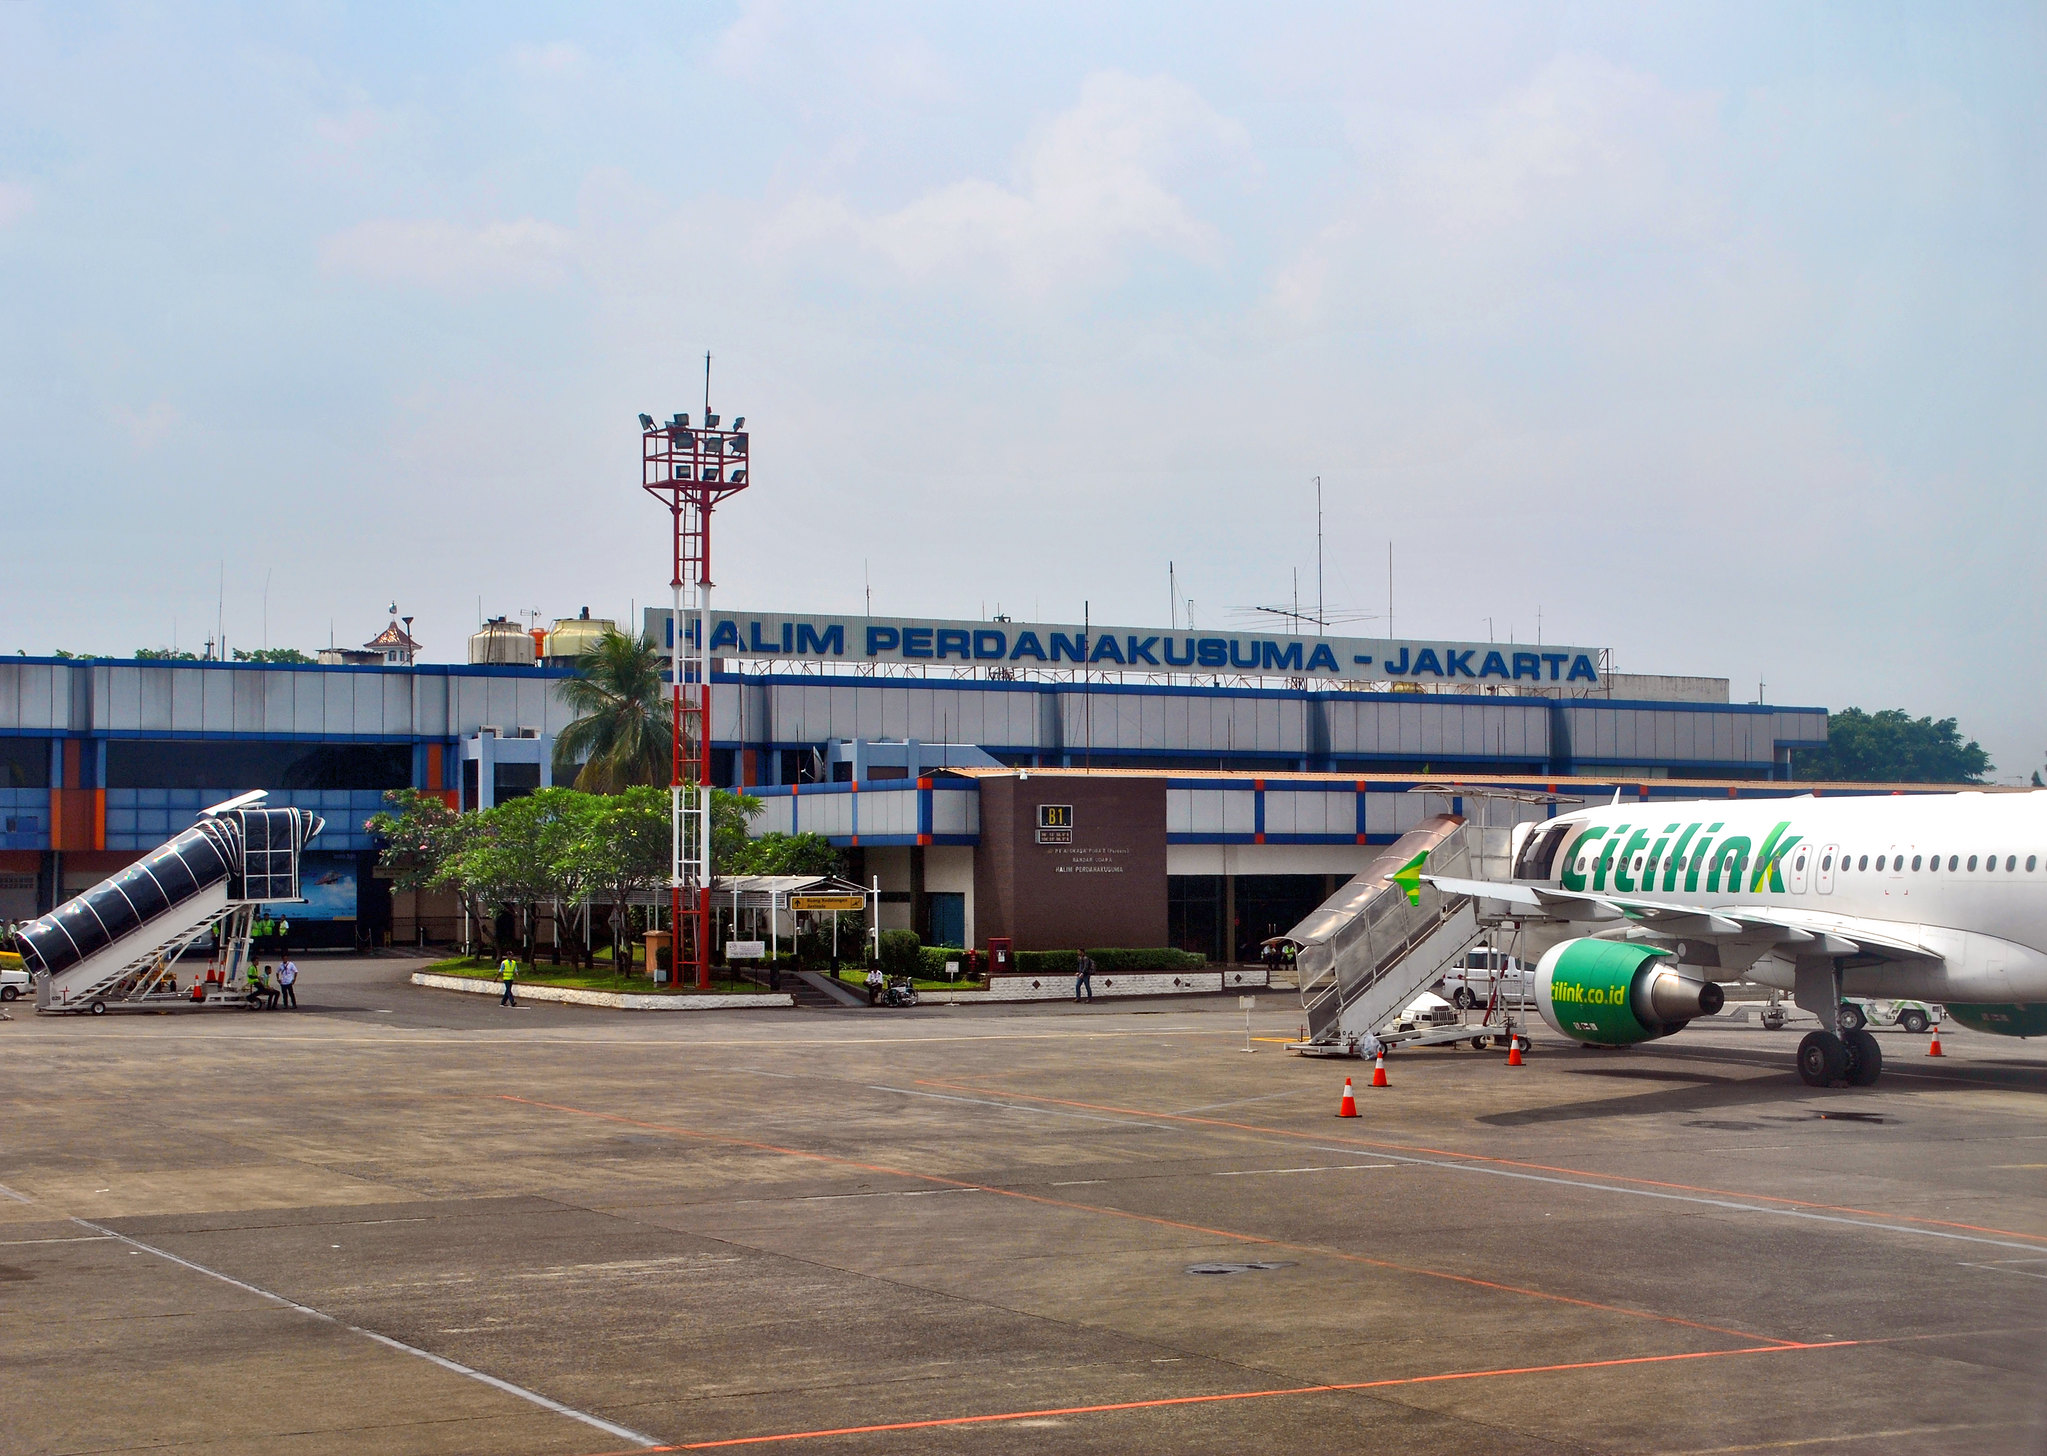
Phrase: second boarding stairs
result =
(118, 944)
(1387, 936)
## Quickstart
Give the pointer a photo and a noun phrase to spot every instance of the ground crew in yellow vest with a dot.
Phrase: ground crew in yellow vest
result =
(506, 971)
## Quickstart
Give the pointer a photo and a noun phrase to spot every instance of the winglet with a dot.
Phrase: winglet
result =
(1409, 878)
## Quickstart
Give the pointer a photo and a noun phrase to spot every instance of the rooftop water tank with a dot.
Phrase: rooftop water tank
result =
(502, 642)
(574, 636)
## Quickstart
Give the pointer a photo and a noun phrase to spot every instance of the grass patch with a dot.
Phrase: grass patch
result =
(574, 980)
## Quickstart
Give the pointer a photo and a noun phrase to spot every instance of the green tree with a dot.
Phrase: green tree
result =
(521, 857)
(623, 851)
(731, 847)
(622, 733)
(419, 838)
(164, 654)
(788, 854)
(1892, 747)
(267, 654)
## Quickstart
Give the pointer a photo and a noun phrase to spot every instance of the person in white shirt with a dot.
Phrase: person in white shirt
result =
(287, 982)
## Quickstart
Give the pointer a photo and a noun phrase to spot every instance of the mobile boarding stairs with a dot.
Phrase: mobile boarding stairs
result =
(1387, 936)
(118, 945)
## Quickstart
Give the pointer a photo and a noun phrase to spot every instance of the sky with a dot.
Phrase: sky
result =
(1709, 334)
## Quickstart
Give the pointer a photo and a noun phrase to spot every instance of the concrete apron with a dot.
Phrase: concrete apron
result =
(613, 1000)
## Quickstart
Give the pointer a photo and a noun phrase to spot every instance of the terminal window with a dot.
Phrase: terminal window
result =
(145, 763)
(24, 763)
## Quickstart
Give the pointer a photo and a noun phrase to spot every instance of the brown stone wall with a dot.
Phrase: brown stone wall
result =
(1106, 888)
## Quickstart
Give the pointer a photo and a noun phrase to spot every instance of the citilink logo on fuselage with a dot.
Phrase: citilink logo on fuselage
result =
(1679, 858)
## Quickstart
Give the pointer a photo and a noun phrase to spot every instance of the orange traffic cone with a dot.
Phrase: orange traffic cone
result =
(1379, 1071)
(1514, 1051)
(1350, 1101)
(1933, 1047)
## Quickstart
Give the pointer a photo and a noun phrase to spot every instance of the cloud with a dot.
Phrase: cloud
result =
(149, 428)
(1574, 176)
(854, 61)
(451, 257)
(555, 59)
(1090, 190)
(16, 203)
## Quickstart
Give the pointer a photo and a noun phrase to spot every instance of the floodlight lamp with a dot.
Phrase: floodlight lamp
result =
(681, 422)
(647, 423)
(710, 420)
(682, 472)
(711, 473)
(740, 423)
(739, 477)
(738, 444)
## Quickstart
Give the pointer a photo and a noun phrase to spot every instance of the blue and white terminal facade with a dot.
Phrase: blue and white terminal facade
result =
(101, 760)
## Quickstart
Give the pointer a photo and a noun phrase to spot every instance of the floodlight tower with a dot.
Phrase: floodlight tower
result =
(690, 469)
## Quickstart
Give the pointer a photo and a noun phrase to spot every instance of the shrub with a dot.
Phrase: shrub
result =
(901, 954)
(935, 957)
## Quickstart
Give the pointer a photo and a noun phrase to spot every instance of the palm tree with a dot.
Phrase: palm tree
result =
(623, 730)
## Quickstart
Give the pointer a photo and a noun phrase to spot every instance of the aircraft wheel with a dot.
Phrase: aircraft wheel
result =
(1822, 1059)
(1865, 1058)
(1852, 1018)
(98, 1007)
(1915, 1022)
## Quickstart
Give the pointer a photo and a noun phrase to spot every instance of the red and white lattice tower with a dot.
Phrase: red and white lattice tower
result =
(690, 469)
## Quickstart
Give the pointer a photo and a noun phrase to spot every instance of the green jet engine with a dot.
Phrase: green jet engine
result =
(1616, 992)
(2002, 1020)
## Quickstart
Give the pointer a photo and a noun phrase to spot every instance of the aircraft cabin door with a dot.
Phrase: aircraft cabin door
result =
(1823, 876)
(1800, 872)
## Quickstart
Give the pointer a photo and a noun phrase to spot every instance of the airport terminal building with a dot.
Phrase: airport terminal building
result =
(1212, 795)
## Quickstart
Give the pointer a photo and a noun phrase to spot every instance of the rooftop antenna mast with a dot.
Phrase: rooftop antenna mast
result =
(1321, 609)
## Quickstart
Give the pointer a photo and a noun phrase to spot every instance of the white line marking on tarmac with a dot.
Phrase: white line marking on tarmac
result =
(1019, 1107)
(2004, 1266)
(17, 1197)
(623, 1433)
(1239, 1102)
(1735, 1205)
(1323, 1168)
(921, 1193)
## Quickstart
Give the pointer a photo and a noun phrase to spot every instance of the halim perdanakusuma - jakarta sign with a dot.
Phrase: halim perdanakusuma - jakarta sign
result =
(913, 640)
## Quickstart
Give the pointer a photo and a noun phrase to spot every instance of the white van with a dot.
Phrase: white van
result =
(1482, 971)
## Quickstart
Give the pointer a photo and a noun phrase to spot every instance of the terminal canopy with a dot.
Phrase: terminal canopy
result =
(766, 892)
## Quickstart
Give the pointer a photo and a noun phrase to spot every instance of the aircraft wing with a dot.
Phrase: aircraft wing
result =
(1814, 932)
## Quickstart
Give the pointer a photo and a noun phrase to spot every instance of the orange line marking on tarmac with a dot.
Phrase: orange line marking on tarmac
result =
(1175, 1400)
(1154, 1219)
(1482, 1158)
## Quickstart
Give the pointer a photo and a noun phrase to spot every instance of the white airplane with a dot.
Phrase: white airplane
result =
(1644, 907)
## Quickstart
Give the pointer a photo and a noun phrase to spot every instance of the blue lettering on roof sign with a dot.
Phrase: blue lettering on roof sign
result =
(768, 635)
